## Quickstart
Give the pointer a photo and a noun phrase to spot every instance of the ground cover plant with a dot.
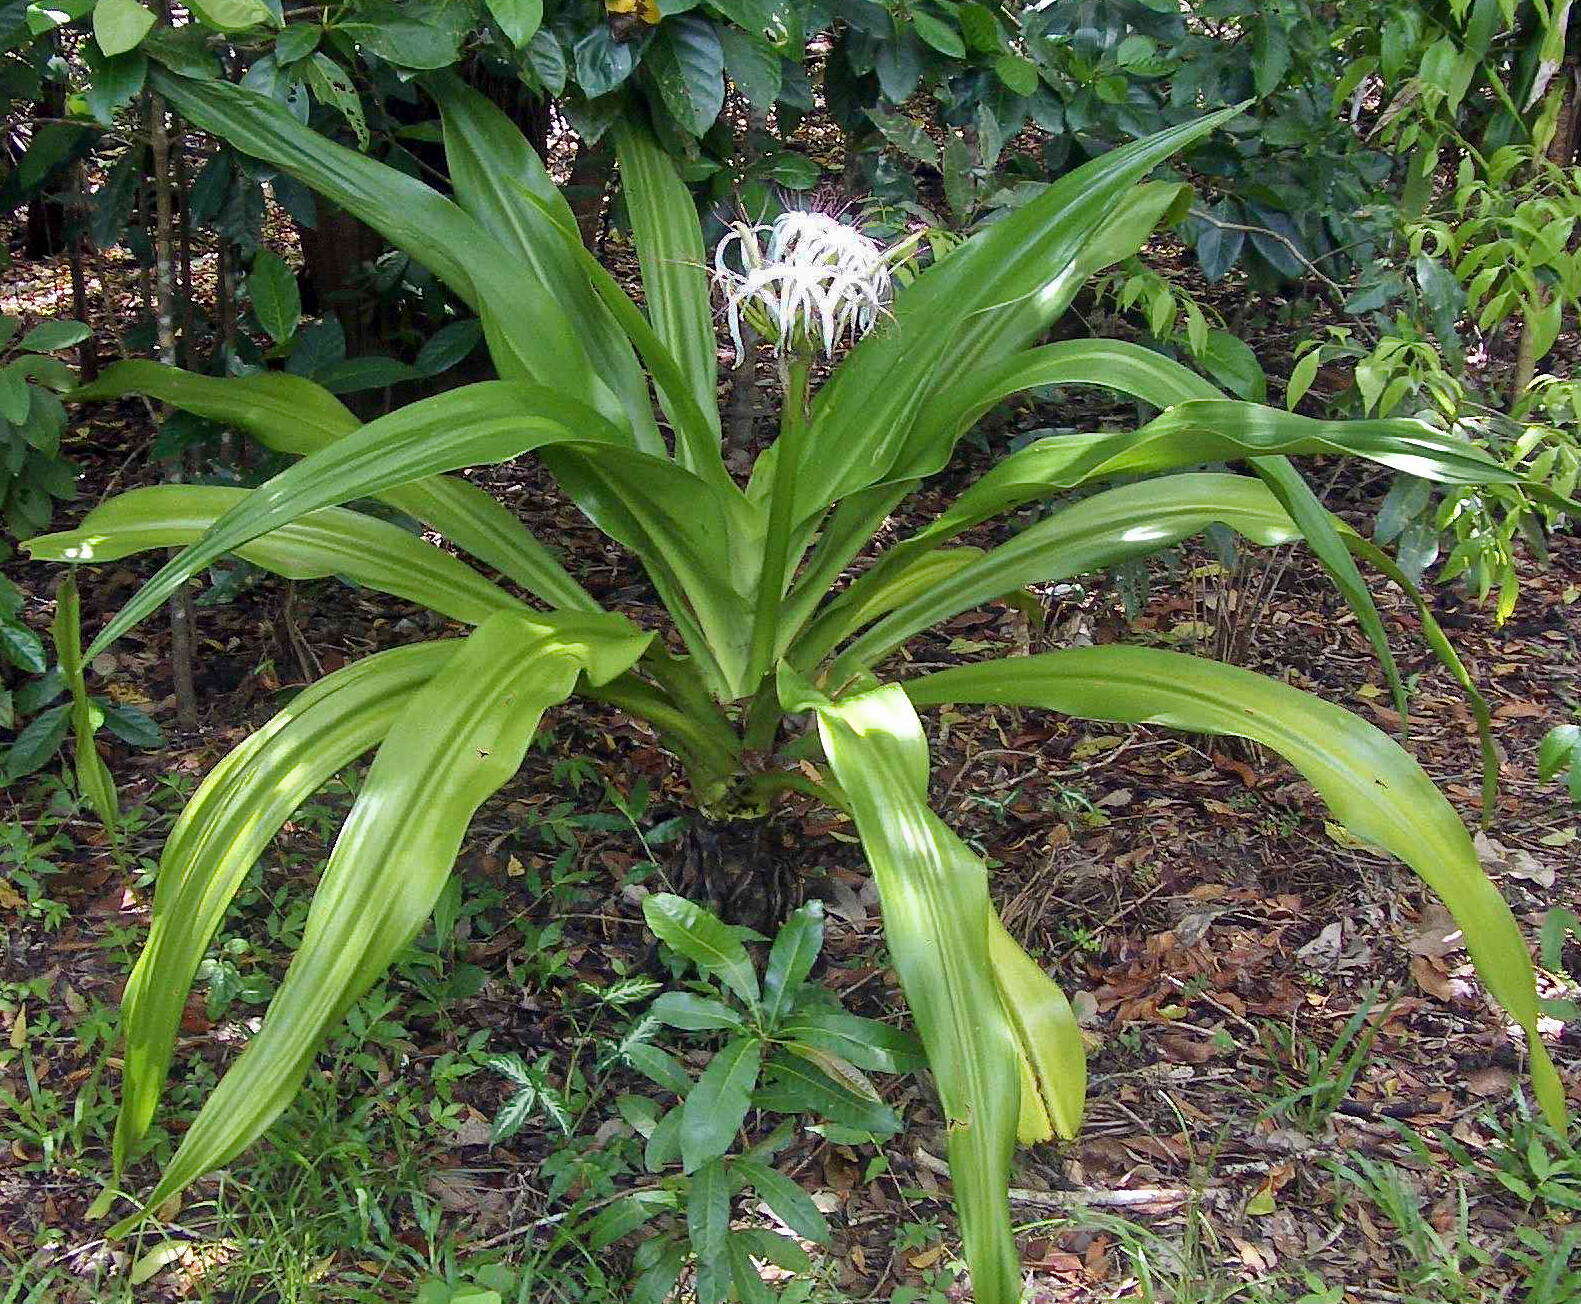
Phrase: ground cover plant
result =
(748, 575)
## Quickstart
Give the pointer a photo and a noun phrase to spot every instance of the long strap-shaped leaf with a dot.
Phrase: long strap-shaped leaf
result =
(294, 415)
(1053, 1058)
(330, 541)
(288, 413)
(1162, 382)
(231, 818)
(1110, 527)
(528, 331)
(988, 298)
(1198, 431)
(490, 163)
(487, 422)
(1370, 782)
(459, 738)
(687, 531)
(1321, 532)
(674, 279)
(934, 893)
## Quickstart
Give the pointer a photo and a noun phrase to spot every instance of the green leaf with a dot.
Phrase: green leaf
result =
(791, 959)
(693, 1013)
(1202, 430)
(332, 85)
(487, 422)
(48, 336)
(664, 1142)
(1231, 362)
(687, 64)
(1322, 534)
(750, 1288)
(529, 333)
(447, 346)
(774, 1248)
(1370, 783)
(277, 304)
(1052, 1055)
(1560, 746)
(119, 25)
(756, 70)
(1113, 526)
(331, 541)
(112, 82)
(1017, 73)
(293, 415)
(297, 41)
(1302, 374)
(708, 1225)
(791, 1205)
(458, 739)
(22, 647)
(867, 1043)
(905, 134)
(38, 740)
(131, 725)
(659, 1066)
(934, 893)
(513, 1114)
(355, 375)
(15, 396)
(602, 63)
(518, 19)
(794, 1086)
(675, 285)
(716, 1106)
(233, 15)
(878, 417)
(502, 183)
(655, 1284)
(405, 42)
(625, 1215)
(1270, 53)
(939, 33)
(93, 776)
(689, 930)
(231, 818)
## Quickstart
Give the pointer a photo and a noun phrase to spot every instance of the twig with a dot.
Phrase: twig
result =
(1085, 1197)
(1334, 287)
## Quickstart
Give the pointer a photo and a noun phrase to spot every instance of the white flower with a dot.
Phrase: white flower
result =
(806, 281)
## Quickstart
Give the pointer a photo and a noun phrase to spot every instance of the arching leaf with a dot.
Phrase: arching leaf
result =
(1370, 783)
(330, 541)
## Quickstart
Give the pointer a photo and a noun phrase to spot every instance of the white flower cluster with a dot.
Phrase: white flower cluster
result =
(806, 281)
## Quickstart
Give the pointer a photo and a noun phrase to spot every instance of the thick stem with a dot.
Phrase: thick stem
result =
(741, 407)
(795, 373)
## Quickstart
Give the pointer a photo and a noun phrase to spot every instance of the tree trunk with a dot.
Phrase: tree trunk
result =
(334, 253)
(45, 229)
(585, 189)
(180, 606)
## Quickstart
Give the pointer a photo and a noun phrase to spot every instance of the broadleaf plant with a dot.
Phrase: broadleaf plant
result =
(788, 1048)
(761, 628)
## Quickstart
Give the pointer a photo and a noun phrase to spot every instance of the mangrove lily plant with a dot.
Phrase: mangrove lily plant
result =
(764, 631)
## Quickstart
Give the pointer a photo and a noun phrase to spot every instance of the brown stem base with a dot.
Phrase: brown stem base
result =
(741, 870)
